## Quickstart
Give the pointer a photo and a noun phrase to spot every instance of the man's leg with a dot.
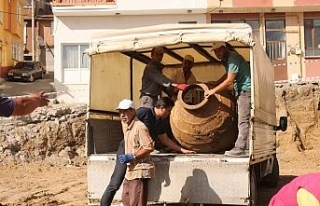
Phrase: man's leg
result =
(115, 180)
(146, 101)
(244, 109)
(138, 192)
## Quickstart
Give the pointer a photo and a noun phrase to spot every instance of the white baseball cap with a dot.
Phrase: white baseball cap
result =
(125, 104)
(216, 45)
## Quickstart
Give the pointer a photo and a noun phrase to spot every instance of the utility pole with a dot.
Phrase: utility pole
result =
(32, 29)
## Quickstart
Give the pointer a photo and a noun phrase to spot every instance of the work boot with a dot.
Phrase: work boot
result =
(236, 152)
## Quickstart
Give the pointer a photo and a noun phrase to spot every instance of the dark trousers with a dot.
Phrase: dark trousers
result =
(115, 180)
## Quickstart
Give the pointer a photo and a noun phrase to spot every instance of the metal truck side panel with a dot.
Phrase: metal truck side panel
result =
(110, 81)
(264, 103)
(205, 178)
(264, 140)
(114, 76)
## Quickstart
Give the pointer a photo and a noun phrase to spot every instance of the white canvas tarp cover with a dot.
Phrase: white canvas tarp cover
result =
(169, 34)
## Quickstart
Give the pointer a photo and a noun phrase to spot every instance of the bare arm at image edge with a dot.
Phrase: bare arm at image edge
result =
(27, 104)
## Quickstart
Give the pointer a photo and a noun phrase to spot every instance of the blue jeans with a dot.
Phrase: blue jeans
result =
(116, 179)
(244, 109)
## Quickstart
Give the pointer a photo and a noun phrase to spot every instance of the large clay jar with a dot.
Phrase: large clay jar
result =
(204, 125)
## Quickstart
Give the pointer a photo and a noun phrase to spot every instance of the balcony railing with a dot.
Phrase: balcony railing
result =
(82, 2)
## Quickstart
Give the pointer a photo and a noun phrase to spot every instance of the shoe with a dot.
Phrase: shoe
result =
(235, 152)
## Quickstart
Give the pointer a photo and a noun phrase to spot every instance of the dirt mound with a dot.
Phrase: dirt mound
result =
(57, 137)
(299, 146)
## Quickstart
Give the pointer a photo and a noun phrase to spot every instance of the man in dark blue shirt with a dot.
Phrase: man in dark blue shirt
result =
(153, 119)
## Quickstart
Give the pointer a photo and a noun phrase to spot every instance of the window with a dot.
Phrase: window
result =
(16, 51)
(312, 37)
(75, 63)
(276, 39)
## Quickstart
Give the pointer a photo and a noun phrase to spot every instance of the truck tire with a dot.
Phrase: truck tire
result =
(253, 188)
(271, 180)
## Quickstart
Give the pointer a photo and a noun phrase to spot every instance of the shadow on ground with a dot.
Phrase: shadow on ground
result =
(265, 194)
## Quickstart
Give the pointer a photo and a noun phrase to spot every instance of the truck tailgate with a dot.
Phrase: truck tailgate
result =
(196, 178)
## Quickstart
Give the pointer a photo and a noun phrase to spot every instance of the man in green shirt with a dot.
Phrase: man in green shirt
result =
(238, 75)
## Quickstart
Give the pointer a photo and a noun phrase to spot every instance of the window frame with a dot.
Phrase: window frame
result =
(313, 29)
(274, 42)
(79, 69)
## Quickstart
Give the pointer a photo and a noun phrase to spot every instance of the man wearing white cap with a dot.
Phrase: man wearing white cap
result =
(238, 75)
(138, 146)
(152, 118)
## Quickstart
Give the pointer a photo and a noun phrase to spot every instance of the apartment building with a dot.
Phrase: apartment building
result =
(11, 34)
(76, 21)
(289, 30)
(38, 32)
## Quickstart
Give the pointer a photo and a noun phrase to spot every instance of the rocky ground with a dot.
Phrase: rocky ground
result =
(42, 155)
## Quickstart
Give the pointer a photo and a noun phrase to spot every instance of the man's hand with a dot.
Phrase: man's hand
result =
(43, 101)
(185, 151)
(207, 94)
(126, 158)
(182, 86)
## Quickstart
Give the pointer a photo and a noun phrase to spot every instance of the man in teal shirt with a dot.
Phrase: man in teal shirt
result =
(238, 75)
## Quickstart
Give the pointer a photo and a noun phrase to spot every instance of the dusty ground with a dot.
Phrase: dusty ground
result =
(36, 184)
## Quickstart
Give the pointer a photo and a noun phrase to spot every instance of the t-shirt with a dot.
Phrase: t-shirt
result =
(235, 63)
(153, 80)
(6, 106)
(154, 125)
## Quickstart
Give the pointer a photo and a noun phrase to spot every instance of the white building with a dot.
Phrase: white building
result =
(75, 22)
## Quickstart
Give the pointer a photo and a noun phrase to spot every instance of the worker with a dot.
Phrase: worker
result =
(153, 81)
(238, 75)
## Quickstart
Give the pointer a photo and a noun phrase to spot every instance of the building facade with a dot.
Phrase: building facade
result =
(11, 34)
(39, 33)
(289, 30)
(75, 21)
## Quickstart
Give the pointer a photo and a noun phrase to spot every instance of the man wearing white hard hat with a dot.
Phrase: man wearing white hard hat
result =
(134, 163)
(238, 75)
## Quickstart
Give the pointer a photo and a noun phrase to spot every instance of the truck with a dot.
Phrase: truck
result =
(118, 59)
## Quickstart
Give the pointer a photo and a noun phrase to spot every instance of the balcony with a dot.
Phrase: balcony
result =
(82, 2)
